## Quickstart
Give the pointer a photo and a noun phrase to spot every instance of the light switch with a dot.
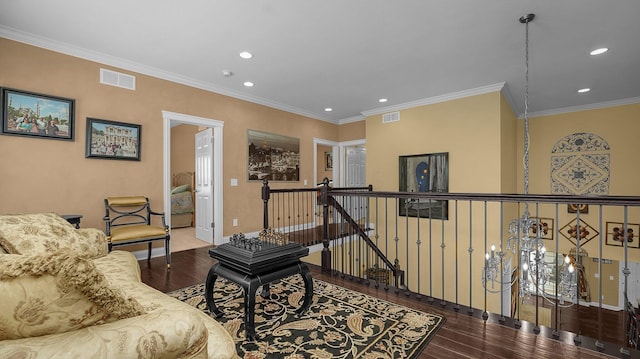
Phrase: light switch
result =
(610, 277)
(234, 182)
(305, 182)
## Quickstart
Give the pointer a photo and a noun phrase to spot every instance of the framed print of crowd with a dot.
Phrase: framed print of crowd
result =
(36, 115)
(112, 140)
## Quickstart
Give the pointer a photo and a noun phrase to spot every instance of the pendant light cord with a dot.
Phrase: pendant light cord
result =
(526, 19)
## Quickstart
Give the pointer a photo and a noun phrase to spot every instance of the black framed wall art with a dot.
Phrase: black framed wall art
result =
(423, 174)
(36, 115)
(272, 157)
(113, 140)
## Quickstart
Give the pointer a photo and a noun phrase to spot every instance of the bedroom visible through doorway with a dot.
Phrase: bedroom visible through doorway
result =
(183, 238)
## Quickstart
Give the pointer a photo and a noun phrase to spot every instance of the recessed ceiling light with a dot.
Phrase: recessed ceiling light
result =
(599, 51)
(382, 100)
(248, 83)
(246, 55)
(586, 89)
(328, 109)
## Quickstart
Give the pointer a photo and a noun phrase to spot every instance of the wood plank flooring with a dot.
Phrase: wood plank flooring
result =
(462, 336)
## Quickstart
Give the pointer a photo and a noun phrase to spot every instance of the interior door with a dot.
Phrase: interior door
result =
(355, 176)
(204, 185)
(356, 158)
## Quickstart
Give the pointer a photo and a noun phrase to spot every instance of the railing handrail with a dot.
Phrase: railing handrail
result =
(494, 197)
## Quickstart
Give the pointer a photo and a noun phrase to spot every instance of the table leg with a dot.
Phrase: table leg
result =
(208, 292)
(308, 286)
(249, 308)
(266, 293)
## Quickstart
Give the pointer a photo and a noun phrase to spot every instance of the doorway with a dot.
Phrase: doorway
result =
(171, 119)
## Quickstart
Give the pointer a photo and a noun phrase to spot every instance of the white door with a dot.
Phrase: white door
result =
(355, 161)
(204, 185)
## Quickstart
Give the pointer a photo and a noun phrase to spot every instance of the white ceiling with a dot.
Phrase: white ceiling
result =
(346, 54)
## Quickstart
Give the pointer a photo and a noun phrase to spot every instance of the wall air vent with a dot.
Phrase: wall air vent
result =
(391, 117)
(117, 79)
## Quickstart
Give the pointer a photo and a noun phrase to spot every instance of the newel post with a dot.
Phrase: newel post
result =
(266, 194)
(326, 253)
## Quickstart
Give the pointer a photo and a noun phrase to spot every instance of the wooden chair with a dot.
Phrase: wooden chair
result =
(128, 221)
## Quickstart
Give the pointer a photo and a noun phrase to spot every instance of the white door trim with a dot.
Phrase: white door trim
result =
(168, 118)
(316, 142)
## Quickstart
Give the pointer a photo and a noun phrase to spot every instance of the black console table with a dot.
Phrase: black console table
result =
(251, 263)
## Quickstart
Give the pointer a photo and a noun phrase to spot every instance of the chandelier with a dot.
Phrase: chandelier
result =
(534, 272)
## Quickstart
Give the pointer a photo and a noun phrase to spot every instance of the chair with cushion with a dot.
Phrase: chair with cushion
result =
(128, 221)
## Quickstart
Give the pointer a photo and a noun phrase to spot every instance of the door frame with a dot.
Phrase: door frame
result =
(342, 149)
(217, 126)
(334, 146)
(339, 151)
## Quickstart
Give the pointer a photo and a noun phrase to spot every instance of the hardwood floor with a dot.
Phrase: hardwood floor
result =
(462, 336)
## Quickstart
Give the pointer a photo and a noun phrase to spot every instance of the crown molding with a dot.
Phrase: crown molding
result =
(436, 99)
(592, 106)
(353, 119)
(102, 58)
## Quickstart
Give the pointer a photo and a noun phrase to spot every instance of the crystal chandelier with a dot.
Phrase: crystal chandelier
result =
(534, 271)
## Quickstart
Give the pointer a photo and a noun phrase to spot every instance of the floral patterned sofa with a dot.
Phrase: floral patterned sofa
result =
(64, 296)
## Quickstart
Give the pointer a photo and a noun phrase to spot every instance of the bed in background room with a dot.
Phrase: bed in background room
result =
(182, 200)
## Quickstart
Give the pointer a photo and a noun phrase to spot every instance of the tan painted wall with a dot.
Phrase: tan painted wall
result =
(183, 149)
(41, 175)
(471, 131)
(618, 126)
(352, 131)
(485, 140)
(49, 175)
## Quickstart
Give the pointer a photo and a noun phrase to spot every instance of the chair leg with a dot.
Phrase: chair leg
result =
(149, 256)
(167, 250)
(110, 247)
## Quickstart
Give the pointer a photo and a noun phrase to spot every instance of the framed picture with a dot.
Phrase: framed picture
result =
(542, 225)
(272, 157)
(616, 234)
(573, 208)
(112, 140)
(571, 231)
(328, 161)
(36, 115)
(424, 173)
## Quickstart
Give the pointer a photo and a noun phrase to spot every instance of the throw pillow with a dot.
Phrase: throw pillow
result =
(55, 293)
(41, 233)
(180, 189)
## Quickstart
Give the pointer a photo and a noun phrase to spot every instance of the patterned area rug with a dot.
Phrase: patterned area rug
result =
(339, 324)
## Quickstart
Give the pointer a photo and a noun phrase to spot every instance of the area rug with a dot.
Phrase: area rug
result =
(340, 323)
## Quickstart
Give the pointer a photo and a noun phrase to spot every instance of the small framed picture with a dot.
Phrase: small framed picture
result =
(328, 161)
(574, 208)
(112, 140)
(575, 230)
(542, 225)
(35, 115)
(617, 235)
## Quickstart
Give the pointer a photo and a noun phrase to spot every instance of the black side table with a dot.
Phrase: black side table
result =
(73, 219)
(255, 265)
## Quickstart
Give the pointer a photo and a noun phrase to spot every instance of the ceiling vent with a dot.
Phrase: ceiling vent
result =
(117, 79)
(391, 117)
